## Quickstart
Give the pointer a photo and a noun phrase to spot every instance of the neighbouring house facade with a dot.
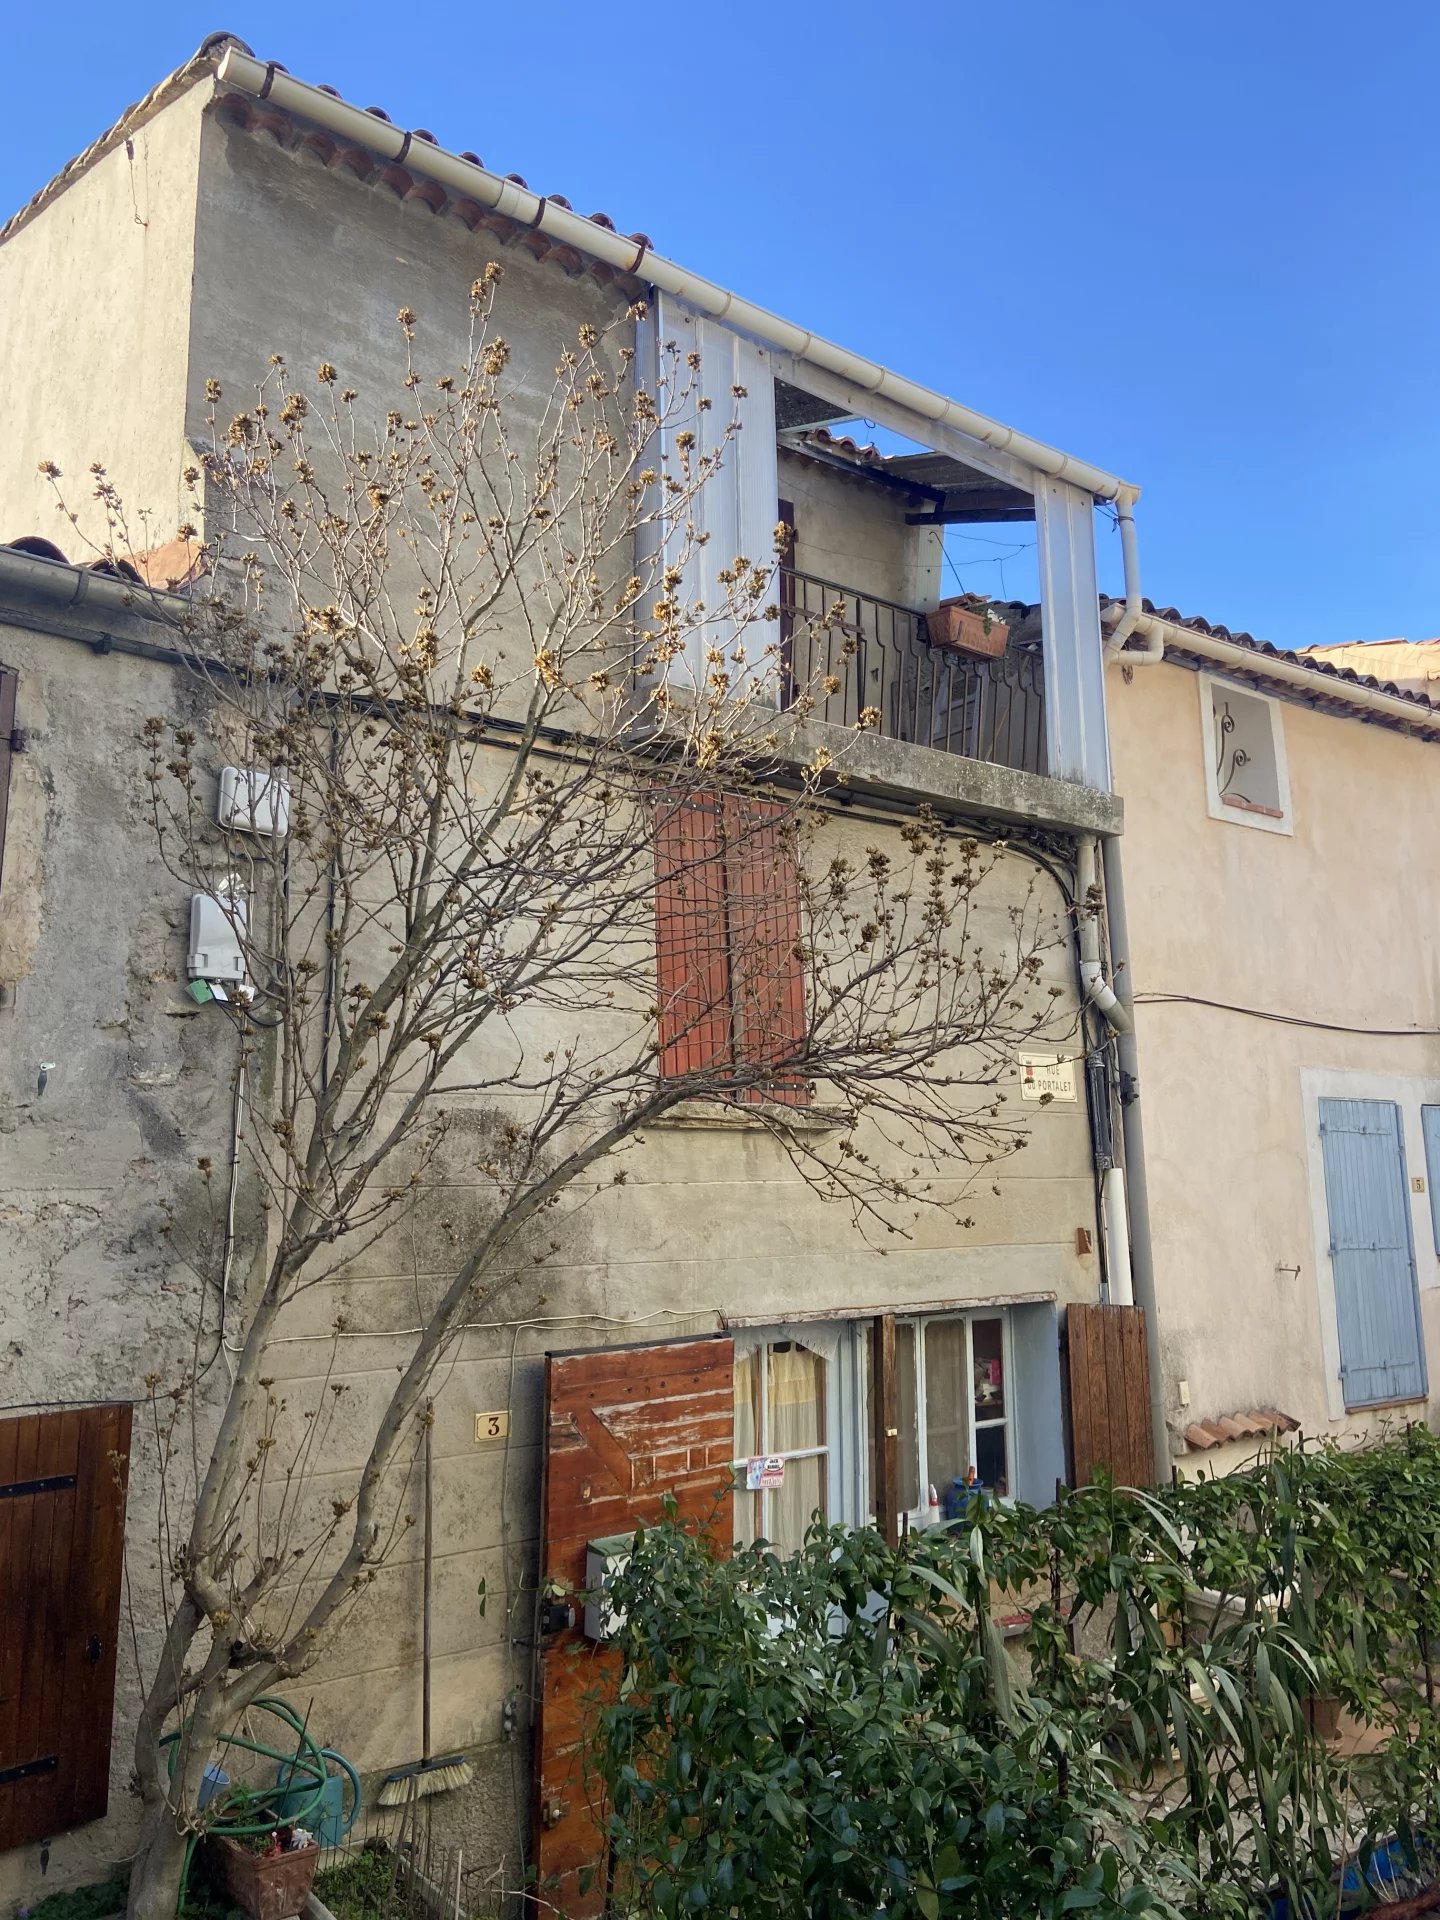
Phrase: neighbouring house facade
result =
(1280, 827)
(237, 214)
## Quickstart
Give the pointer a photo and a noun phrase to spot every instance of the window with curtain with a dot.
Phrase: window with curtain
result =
(952, 1403)
(780, 1409)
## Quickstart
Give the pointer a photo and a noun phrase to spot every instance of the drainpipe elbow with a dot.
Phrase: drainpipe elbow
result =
(1130, 556)
(1102, 995)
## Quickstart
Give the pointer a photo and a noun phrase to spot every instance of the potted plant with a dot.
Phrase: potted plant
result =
(268, 1875)
(967, 623)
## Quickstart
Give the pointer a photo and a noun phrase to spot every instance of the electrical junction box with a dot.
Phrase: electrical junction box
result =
(603, 1560)
(254, 802)
(215, 929)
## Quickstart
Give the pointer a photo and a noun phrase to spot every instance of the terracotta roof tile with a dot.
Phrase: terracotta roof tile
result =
(314, 144)
(1201, 1435)
(1265, 650)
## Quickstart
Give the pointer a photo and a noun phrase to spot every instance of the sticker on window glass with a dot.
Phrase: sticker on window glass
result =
(765, 1472)
(1047, 1077)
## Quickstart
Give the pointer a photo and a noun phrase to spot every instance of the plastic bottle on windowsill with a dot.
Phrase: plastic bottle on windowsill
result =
(932, 1509)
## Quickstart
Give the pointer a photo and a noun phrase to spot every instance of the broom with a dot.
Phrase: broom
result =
(451, 1770)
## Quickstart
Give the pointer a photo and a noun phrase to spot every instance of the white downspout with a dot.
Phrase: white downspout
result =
(1130, 559)
(1115, 1209)
(1097, 989)
(1153, 651)
(1114, 1202)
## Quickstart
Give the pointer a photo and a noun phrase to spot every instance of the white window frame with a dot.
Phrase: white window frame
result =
(919, 1516)
(838, 1343)
(1211, 685)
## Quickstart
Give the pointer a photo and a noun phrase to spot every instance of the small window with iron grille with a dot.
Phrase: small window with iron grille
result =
(1245, 773)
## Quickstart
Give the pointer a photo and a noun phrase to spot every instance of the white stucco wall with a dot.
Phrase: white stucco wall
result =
(95, 290)
(1333, 922)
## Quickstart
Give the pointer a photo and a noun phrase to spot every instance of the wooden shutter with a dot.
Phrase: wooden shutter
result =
(63, 1478)
(1110, 1394)
(9, 685)
(691, 959)
(767, 971)
(1372, 1255)
(624, 1428)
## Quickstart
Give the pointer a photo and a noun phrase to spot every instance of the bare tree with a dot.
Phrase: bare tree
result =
(459, 633)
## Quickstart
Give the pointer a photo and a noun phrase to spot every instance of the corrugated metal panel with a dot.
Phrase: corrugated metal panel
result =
(1076, 742)
(1371, 1252)
(736, 507)
(1430, 1119)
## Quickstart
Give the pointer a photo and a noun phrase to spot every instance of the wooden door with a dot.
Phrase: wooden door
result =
(63, 1478)
(1110, 1394)
(625, 1427)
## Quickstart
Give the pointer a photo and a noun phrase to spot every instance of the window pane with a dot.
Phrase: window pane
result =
(990, 1461)
(790, 1507)
(747, 1422)
(906, 1416)
(990, 1382)
(797, 1399)
(947, 1409)
(1247, 773)
(747, 1515)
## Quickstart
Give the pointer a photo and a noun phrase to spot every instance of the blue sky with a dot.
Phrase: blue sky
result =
(1196, 244)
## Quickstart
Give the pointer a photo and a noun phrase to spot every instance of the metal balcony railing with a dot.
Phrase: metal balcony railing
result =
(880, 656)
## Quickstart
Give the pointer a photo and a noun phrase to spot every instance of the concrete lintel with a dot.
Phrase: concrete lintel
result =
(900, 769)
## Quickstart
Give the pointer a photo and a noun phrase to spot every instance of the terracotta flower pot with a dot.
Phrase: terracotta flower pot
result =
(267, 1889)
(1322, 1715)
(960, 626)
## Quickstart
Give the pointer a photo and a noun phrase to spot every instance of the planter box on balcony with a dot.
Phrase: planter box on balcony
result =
(963, 626)
(267, 1889)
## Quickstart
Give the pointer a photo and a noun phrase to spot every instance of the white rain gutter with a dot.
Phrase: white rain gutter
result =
(65, 586)
(268, 82)
(1268, 666)
(1097, 989)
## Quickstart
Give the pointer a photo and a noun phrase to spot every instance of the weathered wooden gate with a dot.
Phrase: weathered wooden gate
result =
(63, 1478)
(625, 1427)
(1110, 1394)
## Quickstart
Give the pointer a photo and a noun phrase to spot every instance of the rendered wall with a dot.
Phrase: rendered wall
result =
(1334, 923)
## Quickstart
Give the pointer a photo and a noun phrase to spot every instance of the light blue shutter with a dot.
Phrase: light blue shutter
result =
(1037, 1432)
(1430, 1120)
(1371, 1252)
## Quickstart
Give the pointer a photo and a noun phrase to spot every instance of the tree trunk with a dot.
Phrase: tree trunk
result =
(155, 1876)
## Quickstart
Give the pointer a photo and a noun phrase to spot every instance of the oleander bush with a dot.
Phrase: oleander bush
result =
(847, 1732)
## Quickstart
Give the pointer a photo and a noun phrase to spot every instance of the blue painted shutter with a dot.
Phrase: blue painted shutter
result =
(1430, 1120)
(1371, 1253)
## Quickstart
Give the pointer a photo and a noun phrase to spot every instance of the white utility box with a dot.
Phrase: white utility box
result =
(215, 929)
(254, 802)
(603, 1560)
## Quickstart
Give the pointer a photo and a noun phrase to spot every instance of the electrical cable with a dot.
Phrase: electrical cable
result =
(1285, 1019)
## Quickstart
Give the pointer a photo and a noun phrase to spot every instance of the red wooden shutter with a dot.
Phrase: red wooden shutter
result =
(63, 1477)
(767, 971)
(624, 1428)
(692, 968)
(9, 684)
(1109, 1367)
